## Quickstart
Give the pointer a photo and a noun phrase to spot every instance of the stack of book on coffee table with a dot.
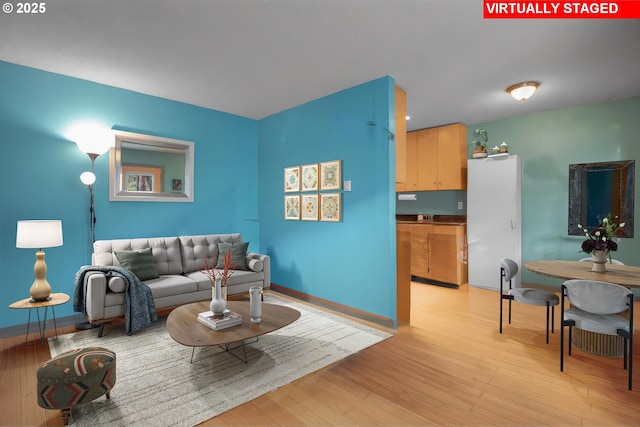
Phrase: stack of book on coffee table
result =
(215, 321)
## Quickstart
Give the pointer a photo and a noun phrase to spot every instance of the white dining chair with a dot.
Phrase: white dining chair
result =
(597, 307)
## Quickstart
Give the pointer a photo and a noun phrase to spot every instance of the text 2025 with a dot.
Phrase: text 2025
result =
(31, 7)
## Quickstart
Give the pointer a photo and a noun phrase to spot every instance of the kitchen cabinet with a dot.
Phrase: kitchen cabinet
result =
(438, 253)
(427, 159)
(403, 273)
(411, 175)
(437, 158)
(401, 134)
(452, 157)
(420, 250)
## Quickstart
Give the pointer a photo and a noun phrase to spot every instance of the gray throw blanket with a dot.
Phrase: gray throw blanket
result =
(139, 307)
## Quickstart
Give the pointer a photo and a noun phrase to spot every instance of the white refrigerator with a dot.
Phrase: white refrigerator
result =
(493, 218)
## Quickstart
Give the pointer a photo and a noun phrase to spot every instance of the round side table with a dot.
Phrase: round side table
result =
(54, 299)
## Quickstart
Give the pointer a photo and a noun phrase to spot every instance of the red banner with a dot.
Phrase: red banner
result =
(621, 9)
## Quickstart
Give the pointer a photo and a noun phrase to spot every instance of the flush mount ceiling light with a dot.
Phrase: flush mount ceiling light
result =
(522, 91)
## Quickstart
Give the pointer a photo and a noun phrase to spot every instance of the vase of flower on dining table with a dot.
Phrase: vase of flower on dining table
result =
(599, 259)
(600, 241)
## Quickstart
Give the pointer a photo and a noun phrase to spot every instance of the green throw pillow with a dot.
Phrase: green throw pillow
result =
(139, 263)
(238, 254)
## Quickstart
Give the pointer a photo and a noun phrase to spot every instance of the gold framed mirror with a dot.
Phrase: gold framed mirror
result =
(147, 168)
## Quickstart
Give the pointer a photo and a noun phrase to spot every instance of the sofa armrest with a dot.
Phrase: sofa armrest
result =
(95, 295)
(266, 268)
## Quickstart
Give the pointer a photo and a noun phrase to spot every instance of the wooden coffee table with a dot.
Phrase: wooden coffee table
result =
(184, 328)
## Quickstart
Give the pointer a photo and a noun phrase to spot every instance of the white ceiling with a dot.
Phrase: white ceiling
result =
(255, 58)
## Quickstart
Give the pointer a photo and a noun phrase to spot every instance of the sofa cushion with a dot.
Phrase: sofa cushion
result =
(117, 284)
(195, 248)
(139, 262)
(238, 254)
(170, 285)
(255, 265)
(166, 252)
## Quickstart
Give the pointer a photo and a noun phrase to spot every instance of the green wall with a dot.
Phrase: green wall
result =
(548, 143)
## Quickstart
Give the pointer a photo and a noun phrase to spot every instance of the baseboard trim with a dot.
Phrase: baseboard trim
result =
(12, 331)
(382, 321)
(424, 281)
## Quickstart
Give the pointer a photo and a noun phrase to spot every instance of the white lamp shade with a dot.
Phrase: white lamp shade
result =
(87, 178)
(39, 234)
(91, 138)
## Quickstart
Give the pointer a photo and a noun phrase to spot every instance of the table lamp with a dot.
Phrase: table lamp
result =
(39, 234)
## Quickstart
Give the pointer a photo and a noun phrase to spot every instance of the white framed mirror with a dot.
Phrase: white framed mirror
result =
(147, 168)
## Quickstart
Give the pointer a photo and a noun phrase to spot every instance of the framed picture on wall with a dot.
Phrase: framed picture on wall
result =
(331, 207)
(292, 207)
(309, 177)
(292, 179)
(331, 175)
(309, 207)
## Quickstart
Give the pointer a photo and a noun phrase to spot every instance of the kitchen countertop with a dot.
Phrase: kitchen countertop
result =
(437, 220)
(431, 222)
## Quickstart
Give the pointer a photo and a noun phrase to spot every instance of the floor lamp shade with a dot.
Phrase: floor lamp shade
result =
(39, 234)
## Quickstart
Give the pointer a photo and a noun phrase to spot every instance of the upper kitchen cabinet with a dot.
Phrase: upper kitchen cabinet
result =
(411, 181)
(401, 135)
(427, 163)
(452, 157)
(440, 161)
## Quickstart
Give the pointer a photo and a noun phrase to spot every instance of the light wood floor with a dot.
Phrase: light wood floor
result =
(449, 367)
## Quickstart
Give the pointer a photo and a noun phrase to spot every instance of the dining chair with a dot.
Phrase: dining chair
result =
(597, 307)
(508, 270)
(611, 261)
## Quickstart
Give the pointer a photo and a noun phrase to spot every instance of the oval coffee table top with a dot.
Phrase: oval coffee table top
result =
(184, 328)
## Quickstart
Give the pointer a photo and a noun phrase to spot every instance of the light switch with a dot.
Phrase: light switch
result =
(460, 206)
(347, 186)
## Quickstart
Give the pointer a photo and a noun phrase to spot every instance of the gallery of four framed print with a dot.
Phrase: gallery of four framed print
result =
(325, 176)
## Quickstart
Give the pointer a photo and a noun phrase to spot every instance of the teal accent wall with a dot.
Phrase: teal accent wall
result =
(40, 170)
(351, 262)
(548, 143)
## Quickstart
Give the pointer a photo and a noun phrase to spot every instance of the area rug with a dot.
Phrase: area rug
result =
(157, 385)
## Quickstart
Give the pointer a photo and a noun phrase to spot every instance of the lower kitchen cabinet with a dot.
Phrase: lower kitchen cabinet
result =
(438, 253)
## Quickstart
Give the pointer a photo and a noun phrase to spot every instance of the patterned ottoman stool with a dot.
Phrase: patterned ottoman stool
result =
(75, 377)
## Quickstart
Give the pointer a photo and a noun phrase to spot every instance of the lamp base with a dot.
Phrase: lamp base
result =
(40, 289)
(32, 300)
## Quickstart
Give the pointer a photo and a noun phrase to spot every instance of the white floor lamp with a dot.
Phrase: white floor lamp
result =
(94, 140)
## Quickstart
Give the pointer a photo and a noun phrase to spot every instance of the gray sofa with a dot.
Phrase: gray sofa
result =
(179, 261)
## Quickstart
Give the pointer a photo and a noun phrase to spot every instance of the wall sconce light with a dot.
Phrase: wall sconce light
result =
(94, 140)
(39, 234)
(522, 91)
